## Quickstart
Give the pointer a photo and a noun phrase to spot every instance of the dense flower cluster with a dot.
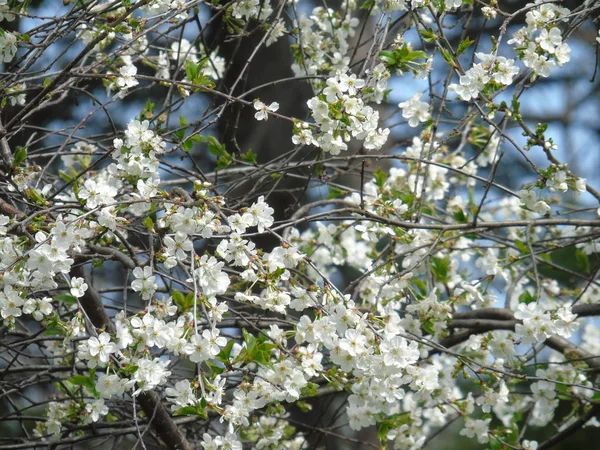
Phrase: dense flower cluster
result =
(324, 40)
(441, 283)
(341, 114)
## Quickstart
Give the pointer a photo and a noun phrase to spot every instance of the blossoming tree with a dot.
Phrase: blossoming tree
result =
(139, 305)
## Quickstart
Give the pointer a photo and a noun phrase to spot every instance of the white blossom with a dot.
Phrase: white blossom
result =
(415, 110)
(263, 110)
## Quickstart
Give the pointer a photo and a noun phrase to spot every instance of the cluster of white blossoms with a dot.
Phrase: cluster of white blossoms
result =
(407, 5)
(123, 77)
(137, 154)
(276, 31)
(158, 7)
(251, 9)
(539, 325)
(439, 320)
(540, 44)
(339, 336)
(340, 115)
(556, 179)
(492, 69)
(324, 40)
(9, 39)
(530, 200)
(8, 46)
(181, 52)
(16, 94)
(126, 79)
(6, 13)
(322, 49)
(589, 248)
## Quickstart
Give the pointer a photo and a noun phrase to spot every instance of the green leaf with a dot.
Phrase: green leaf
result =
(303, 406)
(428, 326)
(179, 135)
(250, 341)
(526, 298)
(20, 156)
(184, 302)
(262, 356)
(36, 196)
(447, 57)
(274, 275)
(257, 350)
(428, 35)
(66, 298)
(224, 159)
(459, 216)
(402, 58)
(192, 70)
(89, 382)
(215, 147)
(196, 410)
(65, 176)
(128, 369)
(583, 262)
(391, 423)
(380, 177)
(420, 285)
(540, 129)
(80, 380)
(495, 444)
(310, 390)
(516, 109)
(387, 57)
(225, 353)
(250, 157)
(205, 82)
(407, 198)
(149, 224)
(215, 369)
(187, 145)
(148, 111)
(440, 268)
(383, 429)
(440, 5)
(464, 45)
(224, 162)
(416, 54)
(522, 246)
(335, 192)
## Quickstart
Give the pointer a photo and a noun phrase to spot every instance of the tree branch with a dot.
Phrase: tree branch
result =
(150, 402)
